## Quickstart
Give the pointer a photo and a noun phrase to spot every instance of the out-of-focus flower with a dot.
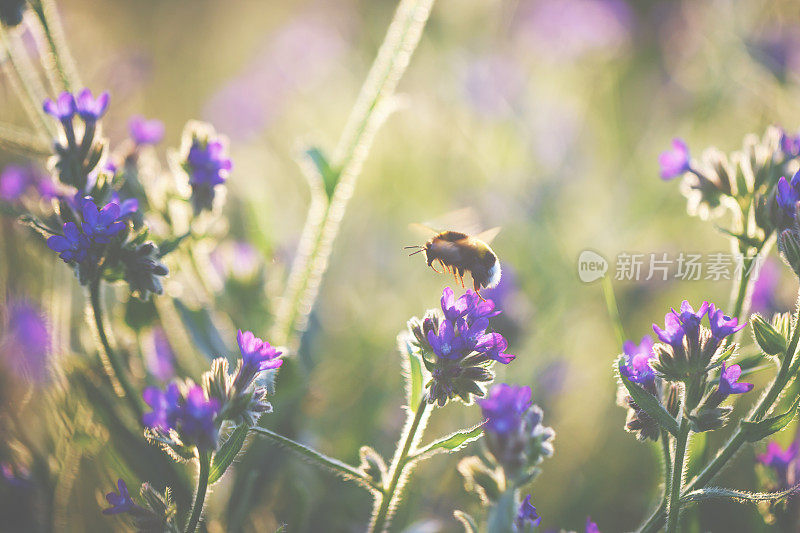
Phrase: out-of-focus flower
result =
(674, 162)
(789, 194)
(257, 356)
(14, 180)
(238, 259)
(591, 527)
(63, 108)
(26, 344)
(568, 29)
(764, 299)
(493, 84)
(17, 476)
(11, 11)
(127, 207)
(121, 501)
(790, 145)
(144, 131)
(777, 51)
(159, 356)
(197, 419)
(526, 515)
(504, 407)
(101, 225)
(637, 361)
(165, 407)
(783, 462)
(89, 108)
(73, 246)
(206, 162)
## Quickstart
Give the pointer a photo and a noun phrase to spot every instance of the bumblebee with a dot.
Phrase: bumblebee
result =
(459, 253)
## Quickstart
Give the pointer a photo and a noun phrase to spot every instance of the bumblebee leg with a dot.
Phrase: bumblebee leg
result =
(461, 277)
(434, 269)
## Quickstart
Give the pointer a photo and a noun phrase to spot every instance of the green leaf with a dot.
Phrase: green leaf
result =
(450, 443)
(469, 523)
(330, 177)
(502, 513)
(736, 496)
(227, 453)
(649, 403)
(170, 245)
(755, 431)
(412, 371)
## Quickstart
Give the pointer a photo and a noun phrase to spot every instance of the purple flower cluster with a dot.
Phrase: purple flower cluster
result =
(527, 515)
(257, 356)
(504, 408)
(192, 415)
(208, 165)
(675, 161)
(85, 105)
(78, 245)
(463, 330)
(16, 180)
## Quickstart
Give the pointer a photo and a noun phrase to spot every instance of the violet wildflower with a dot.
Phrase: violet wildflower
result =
(783, 462)
(729, 383)
(121, 501)
(257, 356)
(504, 406)
(26, 344)
(722, 325)
(453, 309)
(17, 476)
(672, 333)
(636, 366)
(591, 527)
(160, 358)
(127, 207)
(63, 108)
(196, 419)
(89, 108)
(143, 270)
(790, 145)
(73, 247)
(764, 298)
(144, 131)
(675, 161)
(788, 194)
(14, 181)
(100, 226)
(207, 164)
(527, 515)
(11, 11)
(165, 407)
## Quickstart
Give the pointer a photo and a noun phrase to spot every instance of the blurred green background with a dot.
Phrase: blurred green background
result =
(545, 116)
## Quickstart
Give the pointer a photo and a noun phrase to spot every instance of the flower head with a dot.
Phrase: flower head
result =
(446, 343)
(788, 195)
(504, 407)
(257, 356)
(121, 501)
(89, 108)
(690, 319)
(100, 226)
(197, 419)
(790, 145)
(672, 333)
(208, 165)
(728, 381)
(127, 207)
(526, 515)
(674, 161)
(14, 180)
(783, 462)
(722, 325)
(144, 132)
(454, 309)
(636, 366)
(165, 407)
(73, 246)
(63, 108)
(591, 527)
(493, 346)
(26, 344)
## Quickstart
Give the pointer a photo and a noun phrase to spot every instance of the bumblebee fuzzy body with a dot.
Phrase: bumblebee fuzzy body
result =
(460, 253)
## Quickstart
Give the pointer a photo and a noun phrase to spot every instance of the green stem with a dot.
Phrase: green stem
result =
(674, 505)
(111, 362)
(397, 471)
(200, 496)
(337, 466)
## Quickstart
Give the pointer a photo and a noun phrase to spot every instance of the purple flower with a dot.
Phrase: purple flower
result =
(783, 462)
(675, 161)
(454, 309)
(637, 361)
(73, 246)
(728, 385)
(13, 182)
(208, 164)
(121, 502)
(144, 132)
(721, 324)
(493, 346)
(165, 407)
(100, 226)
(27, 342)
(504, 407)
(197, 419)
(689, 319)
(446, 344)
(257, 356)
(672, 333)
(127, 207)
(527, 514)
(159, 357)
(17, 477)
(89, 108)
(789, 194)
(790, 145)
(763, 300)
(591, 527)
(63, 108)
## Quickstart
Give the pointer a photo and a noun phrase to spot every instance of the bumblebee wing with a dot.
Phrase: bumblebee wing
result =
(488, 235)
(464, 220)
(423, 230)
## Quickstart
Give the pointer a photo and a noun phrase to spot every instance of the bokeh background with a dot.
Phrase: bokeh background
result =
(545, 116)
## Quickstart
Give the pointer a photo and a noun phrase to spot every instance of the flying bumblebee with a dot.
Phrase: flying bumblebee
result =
(458, 253)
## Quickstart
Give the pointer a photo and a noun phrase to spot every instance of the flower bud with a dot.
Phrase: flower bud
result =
(767, 337)
(789, 248)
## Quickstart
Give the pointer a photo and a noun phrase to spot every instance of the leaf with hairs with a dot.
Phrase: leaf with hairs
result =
(755, 431)
(227, 453)
(737, 496)
(451, 443)
(649, 403)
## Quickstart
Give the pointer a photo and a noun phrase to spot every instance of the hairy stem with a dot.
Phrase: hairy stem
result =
(322, 225)
(674, 504)
(54, 34)
(111, 362)
(387, 501)
(200, 496)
